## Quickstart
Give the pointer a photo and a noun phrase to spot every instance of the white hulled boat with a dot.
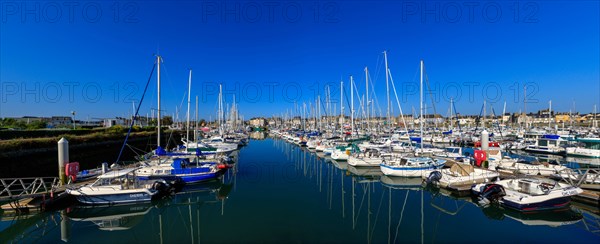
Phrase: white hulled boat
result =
(587, 147)
(118, 187)
(526, 194)
(410, 167)
(459, 174)
(551, 144)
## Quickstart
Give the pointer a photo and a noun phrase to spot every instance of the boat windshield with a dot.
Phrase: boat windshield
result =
(108, 181)
(123, 179)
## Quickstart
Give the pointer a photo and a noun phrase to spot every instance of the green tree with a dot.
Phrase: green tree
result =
(167, 120)
(7, 122)
(20, 125)
(36, 125)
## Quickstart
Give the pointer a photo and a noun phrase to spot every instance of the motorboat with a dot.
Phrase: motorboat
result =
(410, 166)
(526, 194)
(118, 187)
(585, 147)
(549, 144)
(459, 174)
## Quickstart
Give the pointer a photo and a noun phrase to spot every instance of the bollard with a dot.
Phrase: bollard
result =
(63, 158)
(485, 140)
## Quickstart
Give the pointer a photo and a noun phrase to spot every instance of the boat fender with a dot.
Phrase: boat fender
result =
(71, 170)
(479, 156)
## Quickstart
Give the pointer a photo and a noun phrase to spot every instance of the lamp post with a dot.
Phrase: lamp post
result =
(73, 117)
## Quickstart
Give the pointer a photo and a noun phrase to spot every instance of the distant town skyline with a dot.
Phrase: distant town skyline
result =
(276, 57)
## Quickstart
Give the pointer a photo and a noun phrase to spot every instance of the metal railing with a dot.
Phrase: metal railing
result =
(16, 188)
(581, 176)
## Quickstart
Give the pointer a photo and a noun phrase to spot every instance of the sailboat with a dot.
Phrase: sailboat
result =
(412, 166)
(214, 145)
(122, 186)
(176, 167)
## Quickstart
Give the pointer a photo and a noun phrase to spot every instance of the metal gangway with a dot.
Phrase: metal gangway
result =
(14, 189)
(588, 178)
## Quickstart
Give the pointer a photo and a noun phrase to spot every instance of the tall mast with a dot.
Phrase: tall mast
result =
(351, 104)
(387, 86)
(525, 105)
(550, 113)
(451, 120)
(504, 111)
(304, 116)
(595, 124)
(342, 106)
(187, 131)
(158, 59)
(319, 111)
(570, 118)
(421, 104)
(220, 113)
(367, 99)
(328, 108)
(196, 127)
(233, 114)
(484, 114)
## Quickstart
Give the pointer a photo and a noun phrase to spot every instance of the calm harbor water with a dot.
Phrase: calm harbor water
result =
(278, 192)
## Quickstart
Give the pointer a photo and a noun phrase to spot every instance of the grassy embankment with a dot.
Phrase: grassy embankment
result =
(27, 140)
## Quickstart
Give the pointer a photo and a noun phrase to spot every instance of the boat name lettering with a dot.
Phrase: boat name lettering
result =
(136, 195)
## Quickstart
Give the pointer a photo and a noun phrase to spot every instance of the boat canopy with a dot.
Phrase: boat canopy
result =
(179, 163)
(594, 140)
(116, 174)
(553, 137)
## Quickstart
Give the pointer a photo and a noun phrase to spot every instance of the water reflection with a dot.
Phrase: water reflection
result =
(258, 135)
(318, 200)
(111, 218)
(401, 183)
(368, 172)
(414, 213)
(553, 218)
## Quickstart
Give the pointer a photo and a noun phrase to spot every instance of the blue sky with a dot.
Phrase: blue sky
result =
(95, 57)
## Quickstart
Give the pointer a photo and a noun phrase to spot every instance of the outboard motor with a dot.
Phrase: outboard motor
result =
(490, 193)
(175, 185)
(434, 177)
(161, 186)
